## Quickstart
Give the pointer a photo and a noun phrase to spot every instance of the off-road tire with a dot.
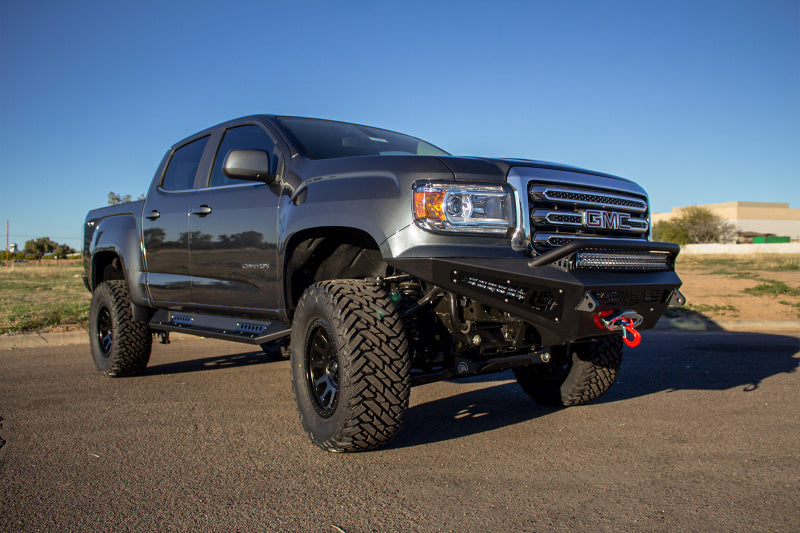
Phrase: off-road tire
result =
(577, 374)
(120, 345)
(368, 359)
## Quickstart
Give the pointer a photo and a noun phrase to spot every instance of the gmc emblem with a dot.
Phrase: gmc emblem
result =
(595, 218)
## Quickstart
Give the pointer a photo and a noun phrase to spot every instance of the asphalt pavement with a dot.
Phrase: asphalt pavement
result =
(701, 432)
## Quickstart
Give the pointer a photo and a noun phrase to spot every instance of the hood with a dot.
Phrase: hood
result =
(415, 167)
(471, 168)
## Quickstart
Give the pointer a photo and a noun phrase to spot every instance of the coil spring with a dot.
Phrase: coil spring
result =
(411, 289)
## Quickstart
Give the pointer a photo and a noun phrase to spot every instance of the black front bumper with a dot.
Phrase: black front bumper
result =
(554, 299)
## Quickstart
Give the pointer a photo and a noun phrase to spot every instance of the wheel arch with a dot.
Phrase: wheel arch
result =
(107, 265)
(326, 253)
(116, 254)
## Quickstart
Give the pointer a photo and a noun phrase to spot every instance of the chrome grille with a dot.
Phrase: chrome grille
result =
(560, 214)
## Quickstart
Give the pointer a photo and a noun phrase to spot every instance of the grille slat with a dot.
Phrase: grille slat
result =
(597, 199)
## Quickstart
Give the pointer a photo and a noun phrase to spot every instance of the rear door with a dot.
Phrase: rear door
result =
(165, 225)
(233, 229)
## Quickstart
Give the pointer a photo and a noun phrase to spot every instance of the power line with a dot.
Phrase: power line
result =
(36, 237)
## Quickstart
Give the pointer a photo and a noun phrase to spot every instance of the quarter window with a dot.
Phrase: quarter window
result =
(248, 137)
(183, 166)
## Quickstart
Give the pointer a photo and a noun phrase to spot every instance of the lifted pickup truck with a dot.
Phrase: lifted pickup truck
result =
(385, 260)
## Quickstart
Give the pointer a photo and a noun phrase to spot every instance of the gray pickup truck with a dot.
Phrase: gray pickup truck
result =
(376, 261)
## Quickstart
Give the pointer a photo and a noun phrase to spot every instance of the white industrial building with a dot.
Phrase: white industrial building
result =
(752, 218)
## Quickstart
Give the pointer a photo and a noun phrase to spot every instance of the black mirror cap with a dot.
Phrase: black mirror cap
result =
(250, 165)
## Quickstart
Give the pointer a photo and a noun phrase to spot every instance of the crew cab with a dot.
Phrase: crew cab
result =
(376, 261)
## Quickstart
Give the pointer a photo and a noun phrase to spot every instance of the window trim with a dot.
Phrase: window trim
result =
(205, 184)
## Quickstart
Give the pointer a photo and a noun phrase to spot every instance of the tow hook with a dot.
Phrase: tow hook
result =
(624, 321)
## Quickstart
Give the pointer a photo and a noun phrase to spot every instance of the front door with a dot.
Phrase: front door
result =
(233, 234)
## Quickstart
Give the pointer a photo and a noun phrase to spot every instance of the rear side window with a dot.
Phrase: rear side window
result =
(183, 166)
(248, 137)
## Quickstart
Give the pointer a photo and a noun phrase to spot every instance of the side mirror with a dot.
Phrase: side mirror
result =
(250, 165)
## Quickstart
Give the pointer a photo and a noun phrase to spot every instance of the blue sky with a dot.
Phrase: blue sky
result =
(698, 101)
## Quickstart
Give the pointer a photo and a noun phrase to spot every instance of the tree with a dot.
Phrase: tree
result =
(44, 245)
(115, 199)
(62, 250)
(695, 224)
(39, 247)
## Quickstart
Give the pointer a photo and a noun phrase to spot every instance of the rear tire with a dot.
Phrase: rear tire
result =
(120, 345)
(577, 374)
(350, 365)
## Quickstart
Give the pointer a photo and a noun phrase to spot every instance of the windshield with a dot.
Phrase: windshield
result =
(326, 139)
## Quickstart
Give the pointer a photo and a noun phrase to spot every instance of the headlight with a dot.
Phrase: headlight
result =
(459, 207)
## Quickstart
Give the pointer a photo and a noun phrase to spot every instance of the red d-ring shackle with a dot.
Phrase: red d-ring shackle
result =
(619, 323)
(636, 336)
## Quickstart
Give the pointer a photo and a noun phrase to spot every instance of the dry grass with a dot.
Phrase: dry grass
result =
(40, 296)
(747, 287)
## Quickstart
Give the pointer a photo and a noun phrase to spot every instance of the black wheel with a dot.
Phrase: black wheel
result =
(350, 365)
(120, 345)
(577, 373)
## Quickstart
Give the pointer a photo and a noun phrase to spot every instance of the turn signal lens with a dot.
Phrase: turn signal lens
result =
(428, 204)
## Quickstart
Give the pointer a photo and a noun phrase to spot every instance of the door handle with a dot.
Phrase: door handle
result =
(201, 211)
(153, 215)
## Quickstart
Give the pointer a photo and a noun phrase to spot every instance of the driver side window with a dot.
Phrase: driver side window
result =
(248, 137)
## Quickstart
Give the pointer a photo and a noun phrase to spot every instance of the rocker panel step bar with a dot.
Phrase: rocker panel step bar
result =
(220, 327)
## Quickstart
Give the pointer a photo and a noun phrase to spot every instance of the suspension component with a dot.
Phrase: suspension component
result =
(163, 336)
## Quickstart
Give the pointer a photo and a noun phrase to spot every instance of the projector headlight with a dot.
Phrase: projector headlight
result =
(465, 208)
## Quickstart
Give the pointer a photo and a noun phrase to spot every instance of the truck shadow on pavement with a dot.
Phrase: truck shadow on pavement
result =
(468, 413)
(703, 360)
(210, 363)
(666, 361)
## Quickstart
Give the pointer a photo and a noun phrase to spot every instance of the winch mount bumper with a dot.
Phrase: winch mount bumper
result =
(551, 294)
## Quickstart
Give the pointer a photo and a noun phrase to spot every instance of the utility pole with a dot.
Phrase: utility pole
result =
(6, 239)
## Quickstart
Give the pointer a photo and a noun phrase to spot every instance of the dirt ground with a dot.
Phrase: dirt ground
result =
(716, 289)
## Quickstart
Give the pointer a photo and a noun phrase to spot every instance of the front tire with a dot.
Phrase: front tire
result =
(577, 374)
(350, 365)
(120, 345)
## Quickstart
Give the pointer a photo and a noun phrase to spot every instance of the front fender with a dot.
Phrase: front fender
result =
(375, 204)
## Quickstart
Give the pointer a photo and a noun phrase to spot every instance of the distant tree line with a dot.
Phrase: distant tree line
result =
(116, 199)
(695, 225)
(38, 248)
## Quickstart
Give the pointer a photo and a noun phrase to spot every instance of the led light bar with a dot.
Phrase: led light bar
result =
(622, 261)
